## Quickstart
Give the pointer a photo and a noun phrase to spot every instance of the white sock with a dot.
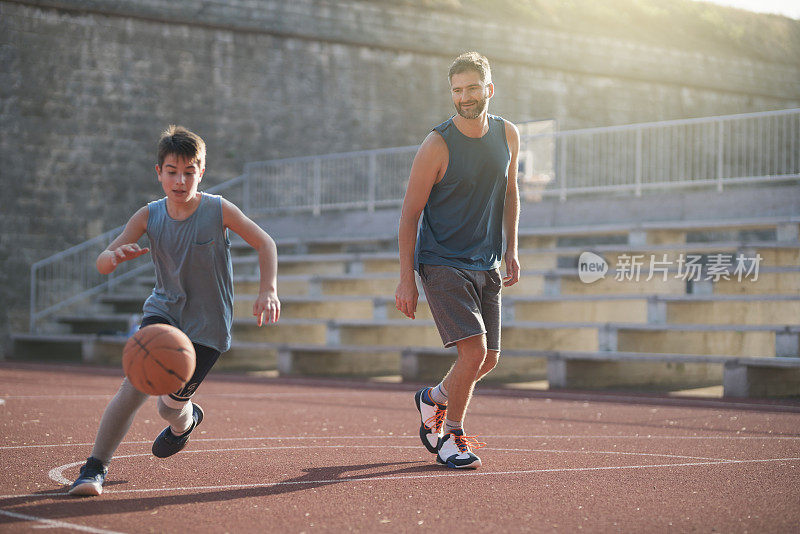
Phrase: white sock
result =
(438, 394)
(449, 425)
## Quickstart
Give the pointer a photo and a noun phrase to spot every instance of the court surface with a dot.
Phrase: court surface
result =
(283, 455)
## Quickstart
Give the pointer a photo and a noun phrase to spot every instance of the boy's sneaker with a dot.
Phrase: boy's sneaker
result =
(167, 443)
(90, 481)
(432, 417)
(454, 450)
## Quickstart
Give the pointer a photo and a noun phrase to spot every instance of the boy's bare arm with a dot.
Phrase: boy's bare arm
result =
(511, 209)
(427, 167)
(267, 305)
(124, 247)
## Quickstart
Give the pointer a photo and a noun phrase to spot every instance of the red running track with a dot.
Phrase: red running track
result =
(281, 455)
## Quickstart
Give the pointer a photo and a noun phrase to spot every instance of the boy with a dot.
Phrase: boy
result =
(188, 233)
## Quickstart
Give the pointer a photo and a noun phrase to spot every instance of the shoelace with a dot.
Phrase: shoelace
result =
(436, 421)
(465, 442)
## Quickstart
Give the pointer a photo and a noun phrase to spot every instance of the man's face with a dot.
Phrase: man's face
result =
(470, 95)
(179, 178)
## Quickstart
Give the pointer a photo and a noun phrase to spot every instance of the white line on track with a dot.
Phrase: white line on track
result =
(537, 436)
(57, 473)
(409, 477)
(553, 396)
(52, 523)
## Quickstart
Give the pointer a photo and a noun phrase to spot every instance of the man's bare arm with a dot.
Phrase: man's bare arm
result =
(511, 210)
(428, 167)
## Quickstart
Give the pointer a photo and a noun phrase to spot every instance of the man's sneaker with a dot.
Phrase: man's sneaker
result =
(167, 443)
(90, 481)
(432, 416)
(454, 450)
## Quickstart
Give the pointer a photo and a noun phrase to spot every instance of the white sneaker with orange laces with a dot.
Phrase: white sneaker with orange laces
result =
(432, 416)
(455, 450)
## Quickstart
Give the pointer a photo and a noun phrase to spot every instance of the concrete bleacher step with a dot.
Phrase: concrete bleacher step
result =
(309, 331)
(101, 324)
(731, 339)
(782, 228)
(304, 307)
(739, 376)
(324, 244)
(773, 254)
(324, 264)
(698, 309)
(340, 361)
(738, 340)
(107, 350)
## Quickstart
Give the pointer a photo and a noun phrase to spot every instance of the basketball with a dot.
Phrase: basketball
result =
(158, 359)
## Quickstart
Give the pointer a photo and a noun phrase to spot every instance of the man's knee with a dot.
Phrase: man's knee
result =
(489, 363)
(472, 352)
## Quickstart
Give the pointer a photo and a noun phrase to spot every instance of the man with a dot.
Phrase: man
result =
(464, 182)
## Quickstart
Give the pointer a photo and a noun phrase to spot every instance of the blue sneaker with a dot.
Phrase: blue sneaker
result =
(455, 450)
(432, 419)
(90, 481)
(167, 443)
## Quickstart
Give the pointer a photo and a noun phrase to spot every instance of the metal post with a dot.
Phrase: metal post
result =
(372, 178)
(639, 162)
(32, 323)
(317, 186)
(720, 129)
(561, 167)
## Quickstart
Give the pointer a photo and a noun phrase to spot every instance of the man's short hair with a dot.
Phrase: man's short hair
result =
(181, 142)
(471, 61)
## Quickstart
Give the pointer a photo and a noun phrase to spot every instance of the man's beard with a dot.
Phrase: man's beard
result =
(475, 111)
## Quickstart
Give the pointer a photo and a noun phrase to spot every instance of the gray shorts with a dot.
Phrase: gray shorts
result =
(463, 303)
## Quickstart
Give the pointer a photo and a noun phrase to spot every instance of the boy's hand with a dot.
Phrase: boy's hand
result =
(126, 252)
(267, 308)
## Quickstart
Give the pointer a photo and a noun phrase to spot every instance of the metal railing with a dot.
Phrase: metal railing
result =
(713, 151)
(352, 180)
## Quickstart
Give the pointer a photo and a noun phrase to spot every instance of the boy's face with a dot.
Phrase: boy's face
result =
(179, 178)
(470, 94)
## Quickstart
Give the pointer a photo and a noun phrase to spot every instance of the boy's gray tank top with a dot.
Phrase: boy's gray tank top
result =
(194, 272)
(462, 223)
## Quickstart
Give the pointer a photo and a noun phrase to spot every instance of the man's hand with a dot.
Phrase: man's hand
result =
(406, 295)
(125, 253)
(267, 308)
(512, 269)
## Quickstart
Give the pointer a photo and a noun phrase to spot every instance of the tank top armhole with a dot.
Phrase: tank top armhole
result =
(152, 212)
(447, 148)
(505, 136)
(221, 216)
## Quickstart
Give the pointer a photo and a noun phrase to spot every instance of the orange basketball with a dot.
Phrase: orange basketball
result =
(158, 359)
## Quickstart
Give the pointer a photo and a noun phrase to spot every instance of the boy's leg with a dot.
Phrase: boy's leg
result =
(115, 423)
(178, 409)
(117, 420)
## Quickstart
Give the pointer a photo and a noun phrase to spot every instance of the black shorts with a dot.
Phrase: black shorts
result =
(205, 358)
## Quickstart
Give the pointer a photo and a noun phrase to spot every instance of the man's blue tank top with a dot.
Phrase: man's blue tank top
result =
(462, 223)
(194, 272)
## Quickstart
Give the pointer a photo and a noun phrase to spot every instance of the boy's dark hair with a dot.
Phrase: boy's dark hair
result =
(471, 61)
(181, 142)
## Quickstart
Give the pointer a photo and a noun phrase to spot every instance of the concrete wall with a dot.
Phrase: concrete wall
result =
(86, 87)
